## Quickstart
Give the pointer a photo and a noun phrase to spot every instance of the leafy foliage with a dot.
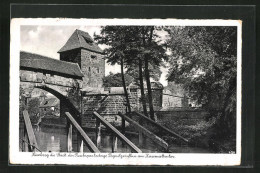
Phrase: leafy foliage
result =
(74, 95)
(155, 72)
(117, 38)
(33, 106)
(204, 61)
(115, 80)
(131, 47)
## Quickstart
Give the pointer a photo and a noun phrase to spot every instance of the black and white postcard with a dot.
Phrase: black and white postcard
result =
(125, 91)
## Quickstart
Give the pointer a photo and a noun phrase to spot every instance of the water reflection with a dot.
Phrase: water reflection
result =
(51, 139)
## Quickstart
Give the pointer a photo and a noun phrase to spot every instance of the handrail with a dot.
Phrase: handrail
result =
(29, 130)
(91, 146)
(146, 132)
(118, 134)
(160, 126)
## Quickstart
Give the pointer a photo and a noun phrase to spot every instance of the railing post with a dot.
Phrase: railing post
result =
(91, 146)
(98, 133)
(79, 143)
(141, 138)
(126, 110)
(123, 125)
(69, 137)
(114, 144)
(140, 134)
(123, 128)
(81, 146)
(79, 138)
(117, 133)
(33, 147)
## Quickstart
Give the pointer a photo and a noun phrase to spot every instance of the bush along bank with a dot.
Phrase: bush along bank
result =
(201, 132)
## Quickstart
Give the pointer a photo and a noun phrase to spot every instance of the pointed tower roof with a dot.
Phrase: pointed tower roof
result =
(80, 39)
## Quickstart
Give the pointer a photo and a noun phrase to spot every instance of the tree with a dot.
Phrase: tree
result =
(135, 61)
(130, 45)
(116, 37)
(33, 106)
(155, 72)
(204, 61)
(115, 80)
(154, 53)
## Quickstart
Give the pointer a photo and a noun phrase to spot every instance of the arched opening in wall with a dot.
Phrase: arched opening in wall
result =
(50, 128)
(40, 103)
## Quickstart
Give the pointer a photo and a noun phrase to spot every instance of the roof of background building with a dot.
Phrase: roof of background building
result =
(36, 61)
(50, 102)
(116, 90)
(80, 39)
(154, 85)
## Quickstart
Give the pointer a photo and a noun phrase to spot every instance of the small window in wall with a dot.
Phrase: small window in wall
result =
(97, 70)
(89, 69)
(93, 56)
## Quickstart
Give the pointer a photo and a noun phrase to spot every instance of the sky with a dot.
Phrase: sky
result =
(47, 40)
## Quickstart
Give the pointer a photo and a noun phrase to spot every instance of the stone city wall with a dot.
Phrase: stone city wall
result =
(109, 106)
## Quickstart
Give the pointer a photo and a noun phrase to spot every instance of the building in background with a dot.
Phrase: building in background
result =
(50, 106)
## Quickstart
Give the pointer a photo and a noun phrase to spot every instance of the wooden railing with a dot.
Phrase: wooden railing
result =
(155, 124)
(29, 140)
(91, 146)
(145, 132)
(126, 141)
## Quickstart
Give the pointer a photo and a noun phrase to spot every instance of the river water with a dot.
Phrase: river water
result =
(52, 139)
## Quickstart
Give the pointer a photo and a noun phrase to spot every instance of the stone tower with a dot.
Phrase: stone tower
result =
(80, 48)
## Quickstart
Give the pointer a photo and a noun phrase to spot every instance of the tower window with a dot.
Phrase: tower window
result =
(89, 69)
(93, 56)
(88, 40)
(97, 70)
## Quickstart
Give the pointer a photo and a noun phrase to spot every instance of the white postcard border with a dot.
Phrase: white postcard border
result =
(16, 157)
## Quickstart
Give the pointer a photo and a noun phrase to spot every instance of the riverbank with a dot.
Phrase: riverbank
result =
(203, 134)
